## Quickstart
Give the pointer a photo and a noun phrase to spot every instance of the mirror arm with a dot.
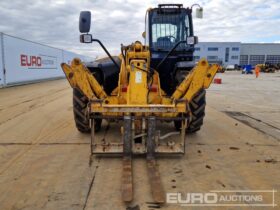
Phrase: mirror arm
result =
(106, 51)
(196, 5)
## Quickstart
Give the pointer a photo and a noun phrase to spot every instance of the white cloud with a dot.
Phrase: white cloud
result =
(55, 22)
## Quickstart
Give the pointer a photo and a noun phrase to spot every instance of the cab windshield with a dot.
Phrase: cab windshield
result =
(168, 29)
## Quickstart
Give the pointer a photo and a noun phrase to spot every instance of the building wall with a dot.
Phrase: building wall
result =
(257, 53)
(248, 53)
(225, 53)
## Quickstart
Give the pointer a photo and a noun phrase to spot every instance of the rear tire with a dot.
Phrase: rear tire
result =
(79, 109)
(197, 107)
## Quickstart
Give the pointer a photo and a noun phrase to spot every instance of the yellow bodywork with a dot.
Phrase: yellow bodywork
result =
(139, 90)
(80, 77)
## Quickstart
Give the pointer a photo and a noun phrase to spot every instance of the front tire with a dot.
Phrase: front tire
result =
(79, 109)
(197, 107)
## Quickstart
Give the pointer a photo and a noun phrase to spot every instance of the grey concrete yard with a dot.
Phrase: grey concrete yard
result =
(256, 101)
(44, 160)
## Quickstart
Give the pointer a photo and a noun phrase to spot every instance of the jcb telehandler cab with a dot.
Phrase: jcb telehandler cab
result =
(169, 34)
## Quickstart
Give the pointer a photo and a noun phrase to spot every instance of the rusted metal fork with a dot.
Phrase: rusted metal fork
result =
(153, 172)
(127, 181)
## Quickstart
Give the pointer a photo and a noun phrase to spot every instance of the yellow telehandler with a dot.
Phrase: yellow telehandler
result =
(140, 92)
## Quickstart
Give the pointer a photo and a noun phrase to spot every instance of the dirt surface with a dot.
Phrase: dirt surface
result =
(44, 160)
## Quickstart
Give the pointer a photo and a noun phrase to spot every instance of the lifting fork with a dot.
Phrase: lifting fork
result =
(153, 173)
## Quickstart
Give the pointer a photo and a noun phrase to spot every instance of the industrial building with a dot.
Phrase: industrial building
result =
(237, 53)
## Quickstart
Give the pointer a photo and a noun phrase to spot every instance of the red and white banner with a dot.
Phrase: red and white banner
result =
(28, 61)
(25, 61)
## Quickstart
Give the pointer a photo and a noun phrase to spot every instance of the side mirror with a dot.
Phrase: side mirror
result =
(199, 13)
(85, 20)
(192, 40)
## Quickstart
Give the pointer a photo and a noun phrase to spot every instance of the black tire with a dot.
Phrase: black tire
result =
(79, 109)
(197, 106)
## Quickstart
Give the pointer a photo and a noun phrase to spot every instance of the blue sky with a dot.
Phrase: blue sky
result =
(55, 22)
